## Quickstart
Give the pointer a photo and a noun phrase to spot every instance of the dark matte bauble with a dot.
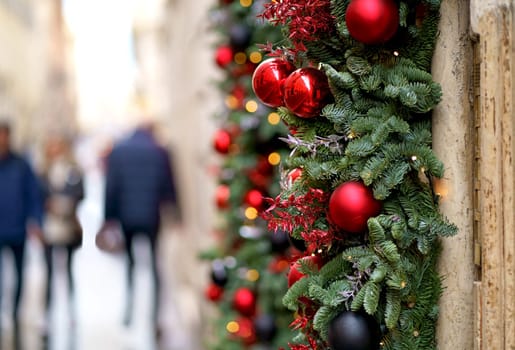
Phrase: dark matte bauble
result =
(265, 327)
(354, 331)
(219, 275)
(279, 241)
(240, 36)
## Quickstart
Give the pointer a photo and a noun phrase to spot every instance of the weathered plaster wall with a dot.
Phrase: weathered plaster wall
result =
(453, 143)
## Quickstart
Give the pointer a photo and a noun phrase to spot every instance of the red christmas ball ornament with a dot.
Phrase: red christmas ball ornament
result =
(306, 92)
(294, 174)
(244, 301)
(372, 21)
(254, 198)
(214, 292)
(222, 195)
(222, 141)
(245, 330)
(351, 205)
(294, 275)
(268, 79)
(224, 56)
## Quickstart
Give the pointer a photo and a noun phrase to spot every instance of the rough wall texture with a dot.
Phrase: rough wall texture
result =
(453, 142)
(493, 23)
(477, 147)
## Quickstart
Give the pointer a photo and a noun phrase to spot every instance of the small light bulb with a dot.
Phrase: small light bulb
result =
(240, 58)
(251, 213)
(251, 106)
(274, 118)
(252, 275)
(274, 158)
(233, 327)
(255, 57)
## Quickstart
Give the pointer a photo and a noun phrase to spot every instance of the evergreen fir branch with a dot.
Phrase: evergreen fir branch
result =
(358, 65)
(360, 147)
(403, 14)
(340, 291)
(389, 250)
(321, 321)
(379, 274)
(339, 80)
(393, 308)
(373, 168)
(318, 293)
(297, 290)
(370, 82)
(376, 232)
(390, 178)
(372, 295)
(359, 299)
(337, 267)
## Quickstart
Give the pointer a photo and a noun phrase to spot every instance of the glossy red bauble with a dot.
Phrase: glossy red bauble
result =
(246, 331)
(294, 174)
(254, 198)
(222, 141)
(222, 196)
(223, 56)
(244, 301)
(214, 292)
(268, 79)
(294, 275)
(306, 92)
(351, 205)
(372, 21)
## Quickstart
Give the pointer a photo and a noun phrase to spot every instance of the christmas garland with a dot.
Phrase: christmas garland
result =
(355, 89)
(248, 264)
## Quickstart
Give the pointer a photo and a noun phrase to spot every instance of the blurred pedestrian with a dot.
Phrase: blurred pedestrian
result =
(139, 181)
(63, 189)
(21, 209)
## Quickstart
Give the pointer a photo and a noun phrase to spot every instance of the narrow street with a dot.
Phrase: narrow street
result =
(93, 321)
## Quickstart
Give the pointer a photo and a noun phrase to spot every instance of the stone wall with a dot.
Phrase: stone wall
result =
(473, 135)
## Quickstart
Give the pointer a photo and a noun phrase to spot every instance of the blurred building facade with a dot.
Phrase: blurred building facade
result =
(36, 88)
(173, 48)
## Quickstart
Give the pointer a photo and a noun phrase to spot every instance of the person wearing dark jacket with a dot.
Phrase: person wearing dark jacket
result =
(21, 208)
(138, 181)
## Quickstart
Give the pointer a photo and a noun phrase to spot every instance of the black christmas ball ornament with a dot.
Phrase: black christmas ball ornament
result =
(299, 244)
(219, 274)
(279, 241)
(354, 331)
(240, 36)
(265, 328)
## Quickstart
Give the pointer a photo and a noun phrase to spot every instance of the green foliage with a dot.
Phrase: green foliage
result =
(242, 170)
(381, 121)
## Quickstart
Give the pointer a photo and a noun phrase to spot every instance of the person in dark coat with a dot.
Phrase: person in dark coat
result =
(21, 208)
(138, 181)
(63, 189)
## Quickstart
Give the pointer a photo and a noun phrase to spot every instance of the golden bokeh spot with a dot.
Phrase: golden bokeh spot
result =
(252, 275)
(416, 334)
(274, 158)
(240, 58)
(255, 57)
(246, 3)
(251, 213)
(231, 102)
(251, 106)
(274, 118)
(403, 284)
(232, 327)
